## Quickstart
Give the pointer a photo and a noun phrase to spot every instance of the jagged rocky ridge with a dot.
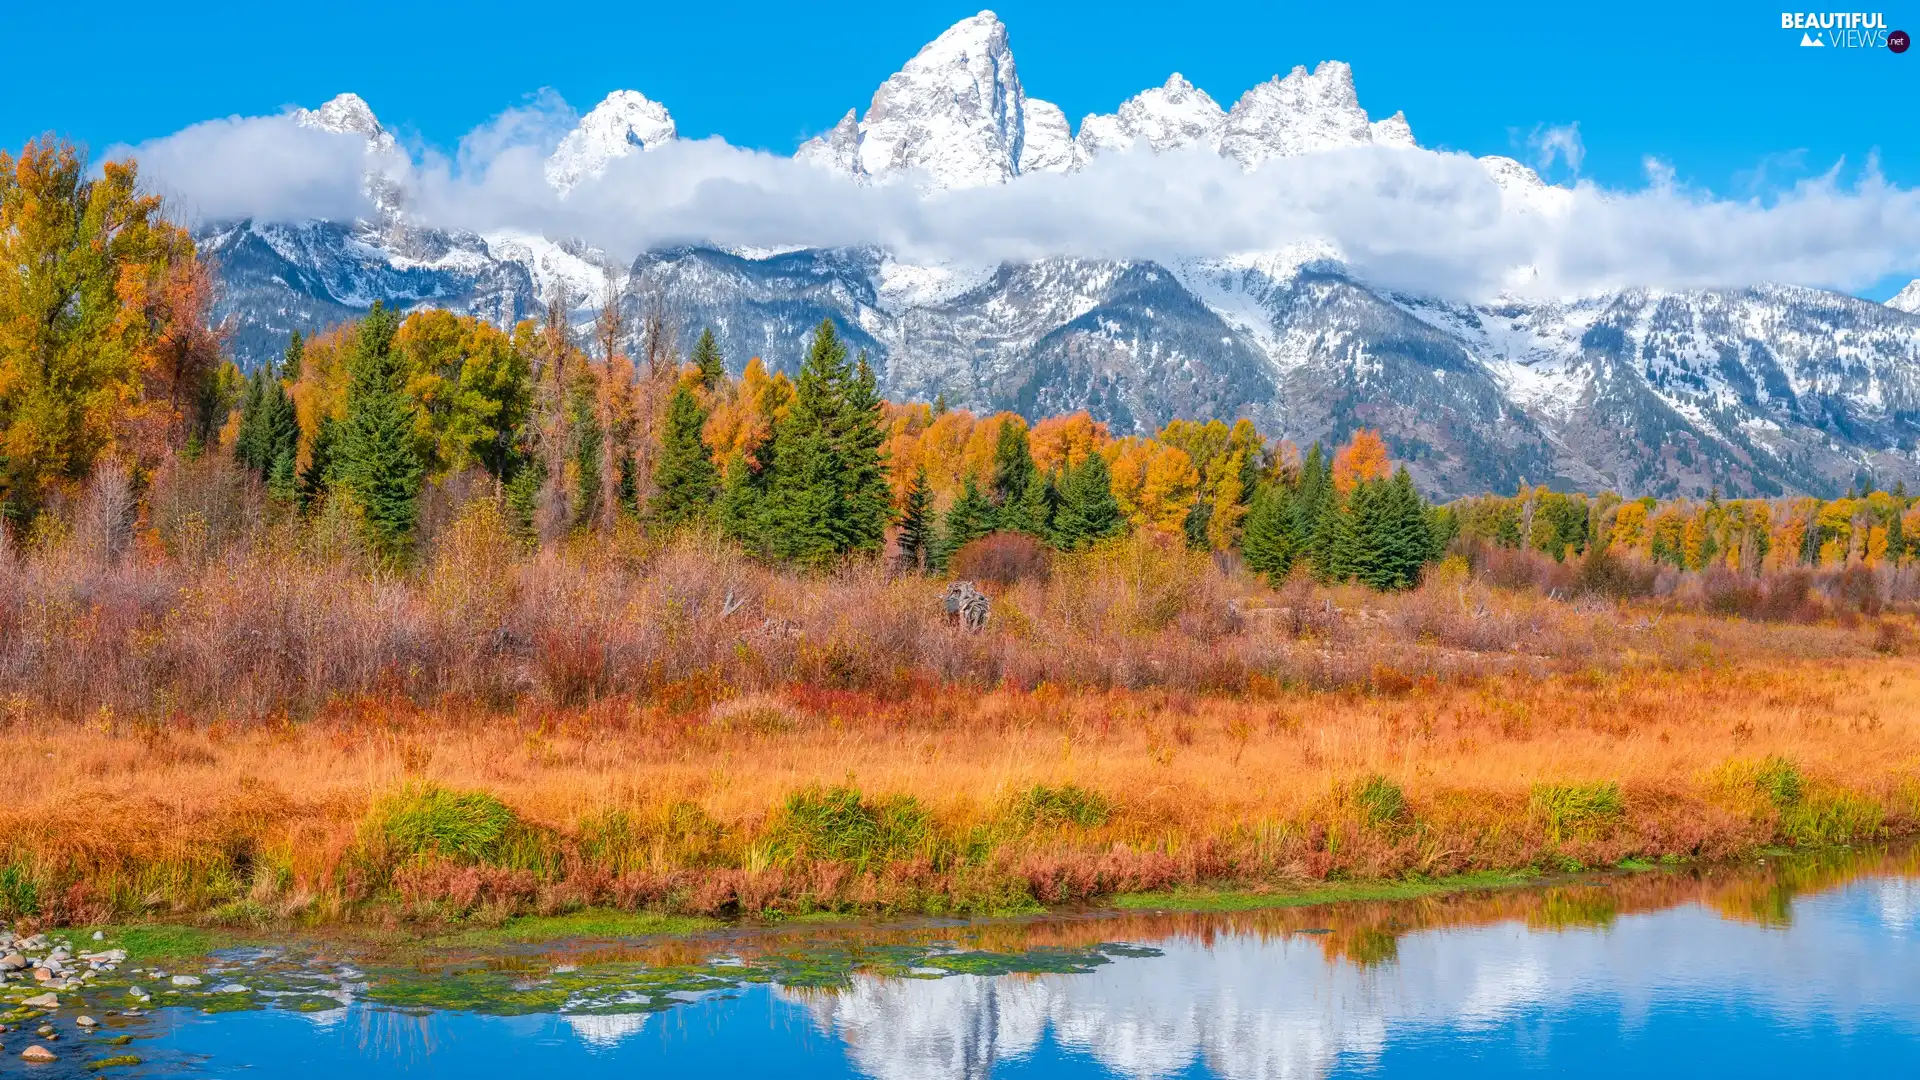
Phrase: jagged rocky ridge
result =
(1751, 391)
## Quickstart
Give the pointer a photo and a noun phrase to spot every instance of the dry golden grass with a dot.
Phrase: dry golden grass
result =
(683, 809)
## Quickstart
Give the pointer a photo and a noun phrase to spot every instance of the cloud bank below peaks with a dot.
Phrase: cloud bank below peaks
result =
(1438, 223)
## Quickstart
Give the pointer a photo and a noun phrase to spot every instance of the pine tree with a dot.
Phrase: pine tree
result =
(1313, 504)
(1012, 464)
(319, 475)
(378, 462)
(1033, 512)
(1392, 532)
(249, 443)
(588, 440)
(1336, 539)
(706, 357)
(1087, 512)
(684, 479)
(968, 519)
(916, 522)
(1267, 540)
(283, 484)
(742, 506)
(866, 496)
(828, 493)
(1194, 527)
(295, 356)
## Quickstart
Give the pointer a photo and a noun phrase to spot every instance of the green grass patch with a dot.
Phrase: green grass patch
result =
(1577, 810)
(119, 1061)
(1827, 818)
(1068, 804)
(1334, 892)
(841, 824)
(427, 820)
(1381, 802)
(158, 941)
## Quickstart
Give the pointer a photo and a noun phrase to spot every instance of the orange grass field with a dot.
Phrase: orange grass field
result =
(935, 799)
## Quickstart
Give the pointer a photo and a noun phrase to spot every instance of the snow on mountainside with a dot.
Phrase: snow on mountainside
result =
(956, 112)
(1750, 391)
(1908, 299)
(626, 121)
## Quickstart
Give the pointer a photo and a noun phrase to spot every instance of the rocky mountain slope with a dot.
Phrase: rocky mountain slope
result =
(1760, 390)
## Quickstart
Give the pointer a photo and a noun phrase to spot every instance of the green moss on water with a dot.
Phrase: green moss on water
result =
(579, 924)
(117, 1062)
(152, 942)
(1336, 892)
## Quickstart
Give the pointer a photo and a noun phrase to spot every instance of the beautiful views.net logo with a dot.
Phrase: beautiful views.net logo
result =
(1845, 30)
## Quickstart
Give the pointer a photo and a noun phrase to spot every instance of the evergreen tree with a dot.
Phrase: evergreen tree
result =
(1087, 512)
(1012, 464)
(706, 357)
(1392, 536)
(684, 479)
(1896, 539)
(866, 496)
(295, 355)
(378, 461)
(1032, 513)
(940, 404)
(1313, 503)
(319, 475)
(1336, 536)
(828, 493)
(743, 505)
(1267, 540)
(249, 445)
(283, 484)
(968, 519)
(916, 522)
(523, 502)
(1195, 525)
(587, 439)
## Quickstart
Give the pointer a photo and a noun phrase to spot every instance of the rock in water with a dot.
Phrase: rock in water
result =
(85, 1021)
(37, 1052)
(43, 1001)
(185, 980)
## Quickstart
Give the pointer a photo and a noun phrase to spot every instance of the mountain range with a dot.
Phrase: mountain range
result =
(1762, 390)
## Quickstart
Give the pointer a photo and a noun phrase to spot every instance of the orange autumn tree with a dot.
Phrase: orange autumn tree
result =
(1363, 458)
(102, 305)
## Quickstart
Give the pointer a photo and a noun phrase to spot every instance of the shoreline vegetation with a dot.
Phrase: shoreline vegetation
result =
(435, 624)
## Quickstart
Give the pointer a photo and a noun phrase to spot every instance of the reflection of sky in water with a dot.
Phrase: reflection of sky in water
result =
(1678, 992)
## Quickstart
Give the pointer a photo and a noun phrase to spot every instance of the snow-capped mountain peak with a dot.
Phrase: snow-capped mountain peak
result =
(625, 121)
(347, 114)
(1299, 114)
(1908, 299)
(956, 112)
(1394, 131)
(1165, 117)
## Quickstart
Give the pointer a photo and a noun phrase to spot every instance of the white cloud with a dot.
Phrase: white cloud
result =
(1412, 219)
(1561, 143)
(261, 166)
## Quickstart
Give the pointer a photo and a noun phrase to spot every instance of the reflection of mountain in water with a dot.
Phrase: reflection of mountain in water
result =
(606, 1031)
(1249, 1008)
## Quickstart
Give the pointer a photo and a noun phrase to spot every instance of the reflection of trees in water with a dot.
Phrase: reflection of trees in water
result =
(399, 1038)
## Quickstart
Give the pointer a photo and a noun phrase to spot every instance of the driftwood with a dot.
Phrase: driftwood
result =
(967, 605)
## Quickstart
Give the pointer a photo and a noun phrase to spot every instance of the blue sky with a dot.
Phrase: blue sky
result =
(1718, 91)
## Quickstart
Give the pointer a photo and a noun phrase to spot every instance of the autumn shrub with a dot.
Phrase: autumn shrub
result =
(1002, 558)
(1617, 577)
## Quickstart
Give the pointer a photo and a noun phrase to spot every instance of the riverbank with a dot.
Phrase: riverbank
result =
(942, 801)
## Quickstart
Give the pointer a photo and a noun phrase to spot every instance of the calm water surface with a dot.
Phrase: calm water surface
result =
(1779, 971)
